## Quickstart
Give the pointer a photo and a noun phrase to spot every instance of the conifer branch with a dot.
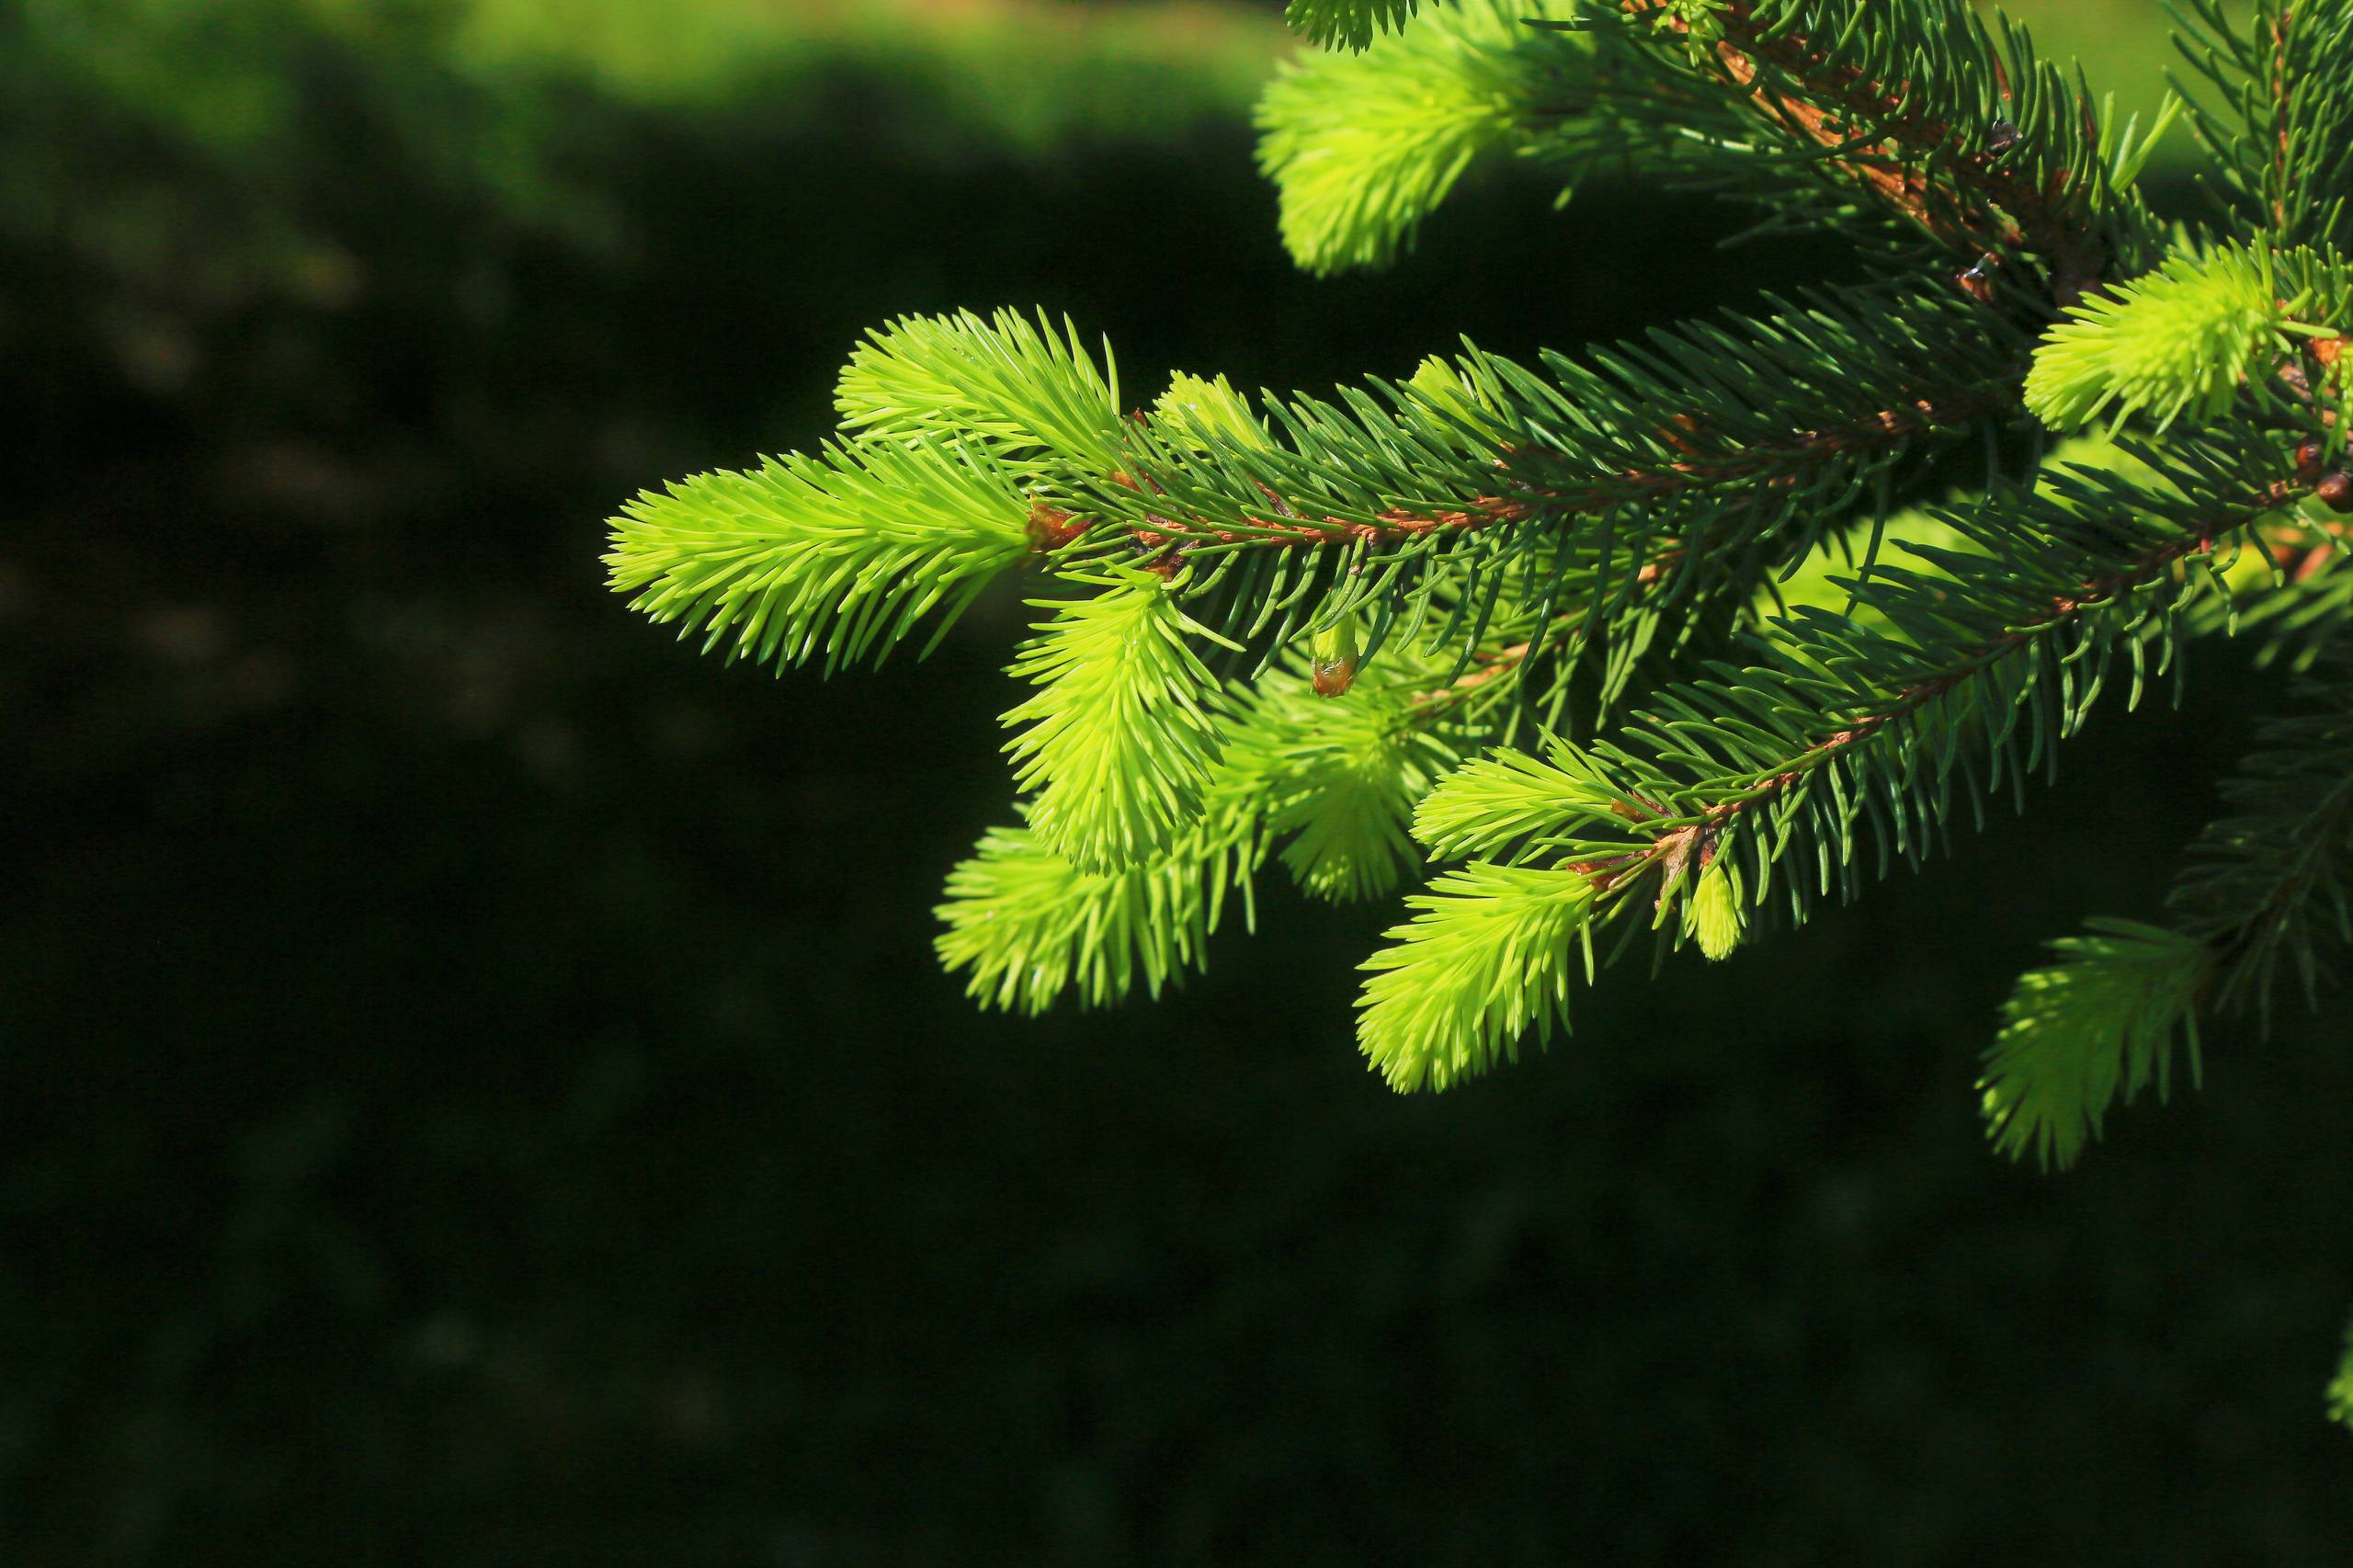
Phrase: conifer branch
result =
(2284, 138)
(1609, 470)
(1488, 956)
(1628, 551)
(1906, 702)
(1783, 763)
(2275, 874)
(1987, 156)
(1340, 778)
(1894, 713)
(1363, 147)
(1029, 927)
(1646, 479)
(2267, 881)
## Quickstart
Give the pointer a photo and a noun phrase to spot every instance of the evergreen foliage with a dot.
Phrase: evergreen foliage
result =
(1118, 749)
(1681, 636)
(1363, 147)
(2099, 1023)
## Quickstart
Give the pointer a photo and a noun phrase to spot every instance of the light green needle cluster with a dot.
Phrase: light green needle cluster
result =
(835, 556)
(1029, 927)
(1115, 742)
(2176, 343)
(1488, 956)
(1210, 408)
(1363, 147)
(1345, 790)
(1340, 778)
(2099, 1024)
(1485, 807)
(1006, 379)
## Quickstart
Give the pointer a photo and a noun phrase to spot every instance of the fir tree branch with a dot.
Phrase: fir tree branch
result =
(2269, 878)
(2285, 140)
(1750, 769)
(1849, 721)
(1882, 720)
(2205, 327)
(1338, 776)
(1706, 407)
(1488, 956)
(1645, 480)
(2277, 871)
(1903, 102)
(1029, 927)
(1018, 385)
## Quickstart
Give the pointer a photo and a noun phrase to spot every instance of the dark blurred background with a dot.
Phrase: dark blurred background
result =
(474, 1087)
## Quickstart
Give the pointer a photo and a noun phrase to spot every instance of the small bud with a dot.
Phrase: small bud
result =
(1332, 654)
(1713, 916)
(1051, 528)
(2336, 490)
(2307, 458)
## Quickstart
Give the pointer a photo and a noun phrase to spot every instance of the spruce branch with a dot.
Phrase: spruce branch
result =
(2267, 884)
(1871, 725)
(1980, 146)
(1029, 927)
(1894, 746)
(1850, 728)
(1339, 777)
(2275, 876)
(1672, 462)
(1693, 567)
(2185, 338)
(2282, 138)
(1345, 791)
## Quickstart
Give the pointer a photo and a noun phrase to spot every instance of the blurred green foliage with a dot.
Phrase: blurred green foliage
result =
(475, 1088)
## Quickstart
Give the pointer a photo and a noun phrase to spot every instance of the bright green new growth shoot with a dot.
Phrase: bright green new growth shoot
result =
(2076, 1035)
(1667, 642)
(1117, 749)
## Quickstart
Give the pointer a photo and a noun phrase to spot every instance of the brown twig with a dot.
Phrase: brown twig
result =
(1841, 102)
(2280, 146)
